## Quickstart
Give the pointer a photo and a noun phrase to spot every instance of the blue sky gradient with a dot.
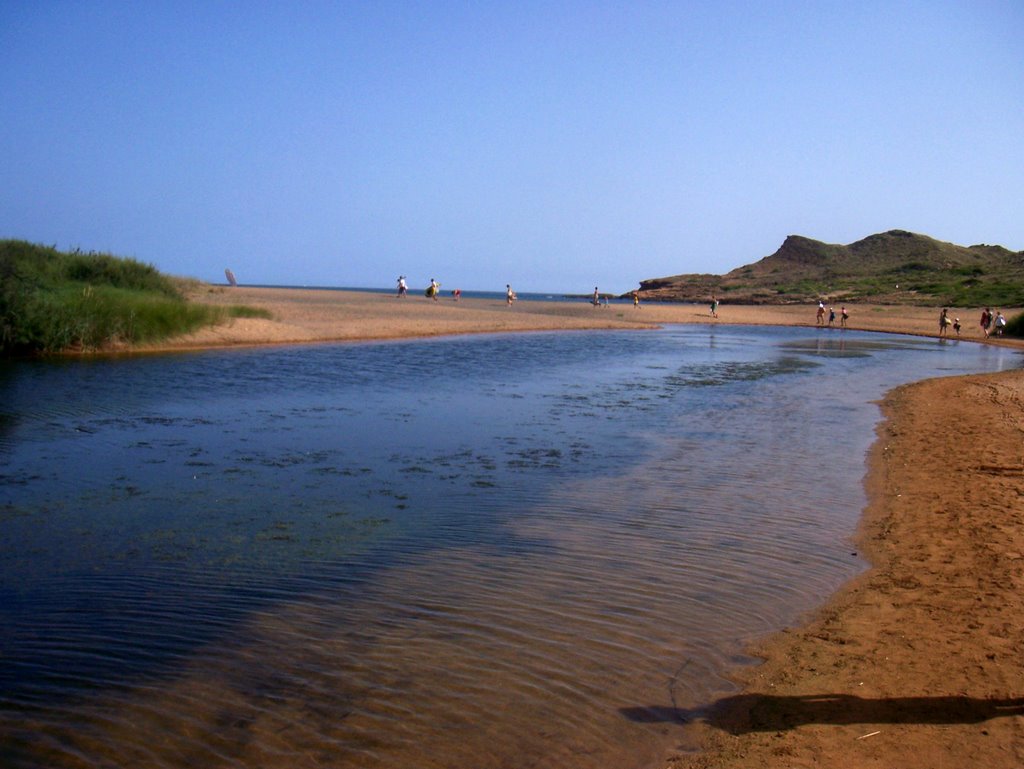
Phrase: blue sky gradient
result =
(555, 146)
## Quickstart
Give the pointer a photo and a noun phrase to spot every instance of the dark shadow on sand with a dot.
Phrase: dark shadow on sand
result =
(745, 713)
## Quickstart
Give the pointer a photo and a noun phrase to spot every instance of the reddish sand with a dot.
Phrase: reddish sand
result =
(918, 662)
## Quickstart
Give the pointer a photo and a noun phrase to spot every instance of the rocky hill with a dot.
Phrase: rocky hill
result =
(894, 267)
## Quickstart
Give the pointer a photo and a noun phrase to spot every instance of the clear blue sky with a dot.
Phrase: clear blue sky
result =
(555, 146)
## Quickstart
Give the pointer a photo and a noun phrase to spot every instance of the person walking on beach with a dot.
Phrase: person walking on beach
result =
(433, 290)
(714, 306)
(956, 326)
(1000, 323)
(457, 294)
(944, 321)
(403, 289)
(597, 298)
(986, 320)
(510, 295)
(843, 315)
(831, 316)
(820, 318)
(636, 300)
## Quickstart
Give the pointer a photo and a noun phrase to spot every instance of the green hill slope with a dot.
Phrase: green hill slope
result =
(894, 267)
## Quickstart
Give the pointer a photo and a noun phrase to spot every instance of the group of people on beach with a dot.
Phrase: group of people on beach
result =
(991, 323)
(434, 290)
(431, 292)
(843, 315)
(599, 300)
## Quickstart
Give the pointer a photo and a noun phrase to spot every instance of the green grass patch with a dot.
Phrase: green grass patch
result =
(52, 301)
(806, 288)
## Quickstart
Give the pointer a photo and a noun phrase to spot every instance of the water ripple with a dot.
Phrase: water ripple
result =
(476, 552)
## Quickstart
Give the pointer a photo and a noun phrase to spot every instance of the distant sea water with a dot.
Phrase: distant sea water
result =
(446, 292)
(487, 551)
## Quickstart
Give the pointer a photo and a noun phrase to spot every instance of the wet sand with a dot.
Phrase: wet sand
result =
(915, 663)
(918, 661)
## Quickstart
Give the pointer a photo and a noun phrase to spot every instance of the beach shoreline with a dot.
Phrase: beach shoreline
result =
(311, 315)
(916, 661)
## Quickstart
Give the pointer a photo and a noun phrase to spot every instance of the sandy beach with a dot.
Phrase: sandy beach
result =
(915, 663)
(918, 661)
(303, 316)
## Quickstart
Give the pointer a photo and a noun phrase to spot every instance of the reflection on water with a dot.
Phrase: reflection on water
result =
(466, 552)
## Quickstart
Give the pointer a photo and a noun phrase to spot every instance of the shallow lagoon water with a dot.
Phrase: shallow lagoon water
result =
(482, 551)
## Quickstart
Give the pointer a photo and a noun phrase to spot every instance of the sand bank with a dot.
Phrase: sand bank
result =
(303, 316)
(918, 661)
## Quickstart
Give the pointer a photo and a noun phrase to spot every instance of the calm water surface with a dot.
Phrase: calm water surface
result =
(473, 552)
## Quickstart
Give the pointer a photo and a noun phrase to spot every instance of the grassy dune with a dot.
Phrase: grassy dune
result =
(53, 301)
